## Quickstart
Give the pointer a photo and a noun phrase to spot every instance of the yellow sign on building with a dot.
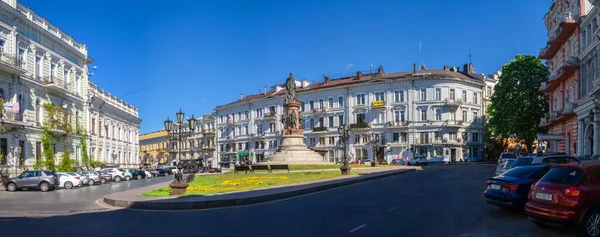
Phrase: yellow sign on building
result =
(378, 103)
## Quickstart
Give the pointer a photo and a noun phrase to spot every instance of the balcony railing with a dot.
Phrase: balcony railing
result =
(271, 115)
(569, 107)
(398, 123)
(454, 122)
(9, 114)
(359, 125)
(543, 122)
(453, 102)
(231, 122)
(11, 60)
(320, 129)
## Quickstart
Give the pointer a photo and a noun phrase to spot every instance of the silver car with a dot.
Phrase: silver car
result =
(94, 177)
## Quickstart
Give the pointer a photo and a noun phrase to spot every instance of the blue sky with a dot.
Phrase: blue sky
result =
(163, 55)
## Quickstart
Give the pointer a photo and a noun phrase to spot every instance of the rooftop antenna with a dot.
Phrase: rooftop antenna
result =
(470, 56)
(350, 66)
(420, 54)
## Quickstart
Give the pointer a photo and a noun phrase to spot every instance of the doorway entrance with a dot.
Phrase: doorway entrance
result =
(453, 155)
(379, 154)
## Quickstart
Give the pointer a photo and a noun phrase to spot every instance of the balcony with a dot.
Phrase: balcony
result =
(568, 108)
(544, 122)
(208, 132)
(320, 129)
(11, 64)
(360, 126)
(271, 115)
(453, 102)
(398, 124)
(454, 123)
(230, 138)
(51, 84)
(10, 119)
(231, 122)
(547, 87)
(567, 25)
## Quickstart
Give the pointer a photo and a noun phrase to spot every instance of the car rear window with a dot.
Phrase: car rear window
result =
(521, 171)
(50, 173)
(508, 155)
(523, 161)
(509, 164)
(564, 175)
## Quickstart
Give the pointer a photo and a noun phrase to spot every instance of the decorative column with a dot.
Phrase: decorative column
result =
(580, 137)
(596, 142)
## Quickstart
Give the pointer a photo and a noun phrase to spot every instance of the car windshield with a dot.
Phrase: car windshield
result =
(509, 164)
(564, 175)
(520, 172)
(74, 174)
(522, 161)
(50, 173)
(508, 155)
(121, 170)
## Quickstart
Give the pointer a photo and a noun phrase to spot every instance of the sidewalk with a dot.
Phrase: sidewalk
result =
(133, 199)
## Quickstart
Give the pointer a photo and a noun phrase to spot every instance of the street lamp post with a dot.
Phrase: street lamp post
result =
(374, 141)
(344, 132)
(179, 134)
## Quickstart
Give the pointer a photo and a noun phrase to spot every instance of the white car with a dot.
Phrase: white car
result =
(116, 174)
(506, 156)
(419, 160)
(172, 168)
(68, 181)
(148, 174)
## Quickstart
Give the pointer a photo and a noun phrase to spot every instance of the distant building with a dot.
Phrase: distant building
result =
(154, 149)
(435, 113)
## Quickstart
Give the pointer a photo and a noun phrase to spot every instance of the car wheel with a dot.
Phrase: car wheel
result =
(103, 181)
(118, 179)
(44, 187)
(11, 187)
(91, 182)
(591, 223)
(127, 178)
(68, 185)
(139, 177)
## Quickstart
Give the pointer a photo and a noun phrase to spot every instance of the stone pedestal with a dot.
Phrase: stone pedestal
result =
(177, 188)
(293, 151)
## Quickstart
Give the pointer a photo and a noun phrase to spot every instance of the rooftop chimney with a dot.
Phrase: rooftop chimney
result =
(453, 69)
(265, 91)
(380, 71)
(326, 79)
(359, 75)
(241, 96)
(468, 69)
(415, 68)
(446, 68)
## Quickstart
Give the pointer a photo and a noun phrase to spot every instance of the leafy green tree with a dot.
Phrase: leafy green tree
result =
(517, 104)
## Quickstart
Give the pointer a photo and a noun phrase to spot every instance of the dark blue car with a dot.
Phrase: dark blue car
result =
(511, 188)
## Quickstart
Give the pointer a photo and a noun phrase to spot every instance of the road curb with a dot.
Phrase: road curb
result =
(178, 204)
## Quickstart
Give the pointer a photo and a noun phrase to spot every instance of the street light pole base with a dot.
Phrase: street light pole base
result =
(345, 170)
(373, 164)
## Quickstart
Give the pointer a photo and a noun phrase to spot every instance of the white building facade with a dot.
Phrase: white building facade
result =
(114, 127)
(433, 113)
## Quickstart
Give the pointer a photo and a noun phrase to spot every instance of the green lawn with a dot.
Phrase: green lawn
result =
(215, 184)
(323, 167)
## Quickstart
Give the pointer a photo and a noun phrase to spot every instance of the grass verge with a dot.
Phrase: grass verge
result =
(216, 184)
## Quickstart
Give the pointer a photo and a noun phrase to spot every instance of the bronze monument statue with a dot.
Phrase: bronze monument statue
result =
(293, 119)
(290, 86)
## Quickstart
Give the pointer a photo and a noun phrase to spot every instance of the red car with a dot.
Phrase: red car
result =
(568, 194)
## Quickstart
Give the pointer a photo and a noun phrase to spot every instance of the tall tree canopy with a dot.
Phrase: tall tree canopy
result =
(517, 104)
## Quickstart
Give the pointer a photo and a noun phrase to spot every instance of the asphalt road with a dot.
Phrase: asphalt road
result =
(439, 201)
(66, 200)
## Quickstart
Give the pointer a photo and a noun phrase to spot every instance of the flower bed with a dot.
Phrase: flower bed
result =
(215, 184)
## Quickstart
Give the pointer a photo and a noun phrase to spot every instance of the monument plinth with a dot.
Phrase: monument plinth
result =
(292, 149)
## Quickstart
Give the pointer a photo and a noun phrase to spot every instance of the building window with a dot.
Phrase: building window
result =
(452, 136)
(424, 115)
(341, 120)
(422, 95)
(452, 94)
(321, 141)
(246, 114)
(396, 116)
(271, 127)
(360, 99)
(399, 96)
(302, 106)
(464, 116)
(321, 105)
(361, 118)
(311, 123)
(38, 66)
(475, 118)
(395, 137)
(475, 137)
(489, 91)
(464, 96)
(330, 105)
(330, 121)
(424, 136)
(380, 96)
(361, 154)
(438, 94)
(311, 105)
(331, 140)
(438, 114)
(321, 122)
(340, 101)
(436, 136)
(403, 137)
(357, 138)
(475, 98)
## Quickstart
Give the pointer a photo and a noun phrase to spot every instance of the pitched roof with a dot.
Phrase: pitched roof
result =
(421, 74)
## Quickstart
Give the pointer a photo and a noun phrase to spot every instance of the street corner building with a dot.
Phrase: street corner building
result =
(573, 58)
(157, 149)
(40, 64)
(439, 114)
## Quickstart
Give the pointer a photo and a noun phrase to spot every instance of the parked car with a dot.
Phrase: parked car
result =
(397, 162)
(417, 160)
(154, 172)
(505, 156)
(172, 168)
(84, 178)
(568, 194)
(541, 158)
(148, 174)
(68, 181)
(94, 177)
(128, 174)
(511, 189)
(163, 172)
(104, 177)
(117, 174)
(501, 168)
(43, 180)
(138, 174)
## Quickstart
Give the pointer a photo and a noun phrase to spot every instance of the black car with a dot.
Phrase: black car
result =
(138, 174)
(511, 188)
(163, 172)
